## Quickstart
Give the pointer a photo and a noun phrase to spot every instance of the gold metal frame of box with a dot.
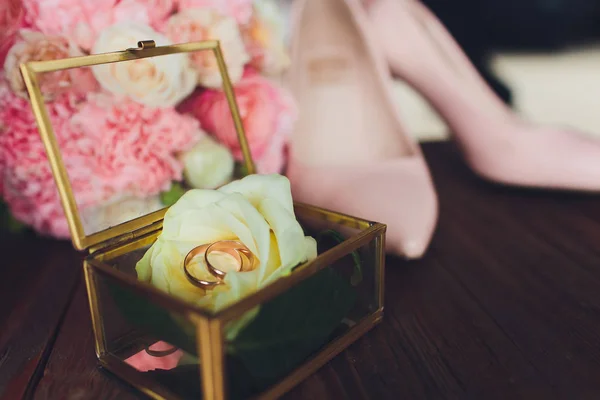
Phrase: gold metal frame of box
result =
(145, 49)
(209, 326)
(142, 231)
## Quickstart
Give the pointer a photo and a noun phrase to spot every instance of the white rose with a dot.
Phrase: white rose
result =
(256, 211)
(264, 38)
(207, 165)
(161, 81)
(97, 219)
(197, 24)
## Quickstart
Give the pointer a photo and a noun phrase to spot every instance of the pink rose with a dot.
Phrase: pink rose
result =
(240, 10)
(12, 17)
(83, 20)
(207, 24)
(35, 46)
(267, 112)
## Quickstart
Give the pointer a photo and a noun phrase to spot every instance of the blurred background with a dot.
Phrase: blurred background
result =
(540, 56)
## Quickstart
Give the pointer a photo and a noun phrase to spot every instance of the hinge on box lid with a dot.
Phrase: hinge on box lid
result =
(126, 237)
(143, 45)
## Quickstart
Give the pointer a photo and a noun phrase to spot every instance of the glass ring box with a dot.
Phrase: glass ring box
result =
(170, 348)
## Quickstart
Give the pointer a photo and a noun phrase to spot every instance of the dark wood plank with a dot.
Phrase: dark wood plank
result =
(538, 283)
(336, 380)
(38, 279)
(72, 371)
(438, 342)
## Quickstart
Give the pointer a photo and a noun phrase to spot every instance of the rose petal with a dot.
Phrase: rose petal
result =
(257, 187)
(287, 230)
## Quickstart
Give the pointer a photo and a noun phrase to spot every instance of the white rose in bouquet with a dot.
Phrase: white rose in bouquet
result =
(198, 24)
(207, 165)
(155, 81)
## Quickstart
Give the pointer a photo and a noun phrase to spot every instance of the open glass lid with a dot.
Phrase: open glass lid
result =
(122, 131)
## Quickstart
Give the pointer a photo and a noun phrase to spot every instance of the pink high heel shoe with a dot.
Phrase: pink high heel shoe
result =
(497, 144)
(350, 151)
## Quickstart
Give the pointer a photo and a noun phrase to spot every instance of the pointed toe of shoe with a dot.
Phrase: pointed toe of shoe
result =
(411, 227)
(412, 221)
(398, 194)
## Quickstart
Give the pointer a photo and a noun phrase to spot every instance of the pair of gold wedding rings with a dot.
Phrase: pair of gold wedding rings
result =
(244, 261)
(241, 254)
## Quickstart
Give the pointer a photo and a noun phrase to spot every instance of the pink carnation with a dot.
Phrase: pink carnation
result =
(12, 18)
(240, 10)
(136, 146)
(110, 150)
(26, 181)
(267, 111)
(83, 20)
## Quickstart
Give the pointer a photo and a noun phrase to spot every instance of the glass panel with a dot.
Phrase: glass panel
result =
(129, 133)
(290, 329)
(265, 344)
(157, 343)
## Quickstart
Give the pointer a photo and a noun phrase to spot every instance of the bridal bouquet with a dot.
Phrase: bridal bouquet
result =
(132, 133)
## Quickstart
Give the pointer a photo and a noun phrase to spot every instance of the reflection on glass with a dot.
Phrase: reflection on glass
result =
(159, 355)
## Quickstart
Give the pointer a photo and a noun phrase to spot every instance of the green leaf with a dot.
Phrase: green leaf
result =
(357, 276)
(172, 195)
(240, 170)
(15, 226)
(293, 326)
(8, 223)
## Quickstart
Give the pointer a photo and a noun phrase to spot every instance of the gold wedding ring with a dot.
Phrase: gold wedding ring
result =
(202, 283)
(242, 255)
(229, 246)
(160, 353)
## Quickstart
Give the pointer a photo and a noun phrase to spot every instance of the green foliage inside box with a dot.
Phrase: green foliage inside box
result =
(286, 331)
(289, 329)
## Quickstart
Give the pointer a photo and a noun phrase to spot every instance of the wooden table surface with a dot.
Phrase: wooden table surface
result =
(506, 304)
